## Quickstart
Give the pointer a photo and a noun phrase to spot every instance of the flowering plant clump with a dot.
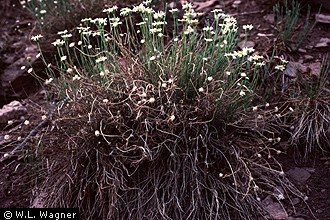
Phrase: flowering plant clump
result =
(188, 58)
(143, 114)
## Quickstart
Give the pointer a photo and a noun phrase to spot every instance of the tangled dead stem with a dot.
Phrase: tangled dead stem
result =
(139, 153)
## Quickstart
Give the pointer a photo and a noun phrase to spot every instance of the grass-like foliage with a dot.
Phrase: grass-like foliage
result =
(287, 23)
(311, 129)
(157, 122)
(57, 15)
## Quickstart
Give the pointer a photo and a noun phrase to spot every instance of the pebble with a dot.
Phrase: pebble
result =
(274, 209)
(236, 3)
(319, 211)
(247, 44)
(323, 42)
(270, 18)
(11, 111)
(308, 58)
(295, 201)
(300, 175)
(322, 18)
(315, 68)
(293, 68)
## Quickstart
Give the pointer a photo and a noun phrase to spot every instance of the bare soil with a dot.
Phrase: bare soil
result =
(18, 174)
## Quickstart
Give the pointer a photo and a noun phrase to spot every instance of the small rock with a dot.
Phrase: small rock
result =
(270, 18)
(295, 201)
(264, 35)
(302, 50)
(172, 5)
(14, 70)
(274, 209)
(315, 68)
(293, 68)
(241, 44)
(323, 42)
(236, 3)
(308, 58)
(299, 175)
(322, 18)
(13, 110)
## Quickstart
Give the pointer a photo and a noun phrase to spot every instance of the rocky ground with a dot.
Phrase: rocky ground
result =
(21, 102)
